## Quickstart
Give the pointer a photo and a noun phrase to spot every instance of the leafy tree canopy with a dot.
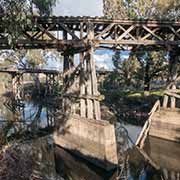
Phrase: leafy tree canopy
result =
(16, 15)
(142, 9)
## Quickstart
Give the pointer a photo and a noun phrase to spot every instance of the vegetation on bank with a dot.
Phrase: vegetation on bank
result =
(131, 106)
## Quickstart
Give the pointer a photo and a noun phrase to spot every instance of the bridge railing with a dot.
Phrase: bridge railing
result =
(171, 94)
(142, 137)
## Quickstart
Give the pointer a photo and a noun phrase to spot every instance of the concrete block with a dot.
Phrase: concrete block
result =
(93, 140)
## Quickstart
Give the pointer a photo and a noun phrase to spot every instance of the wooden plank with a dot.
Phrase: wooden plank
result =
(108, 28)
(68, 31)
(173, 99)
(47, 32)
(175, 32)
(82, 88)
(165, 101)
(149, 34)
(90, 36)
(126, 32)
(95, 92)
(142, 137)
(150, 31)
(92, 73)
(90, 114)
(173, 91)
(121, 27)
(82, 83)
(148, 158)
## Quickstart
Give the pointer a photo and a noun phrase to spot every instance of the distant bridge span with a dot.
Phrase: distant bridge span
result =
(30, 71)
(77, 34)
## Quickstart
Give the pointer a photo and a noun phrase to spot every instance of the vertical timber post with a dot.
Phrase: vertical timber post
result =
(92, 89)
(94, 85)
(82, 80)
(17, 80)
(14, 85)
(173, 99)
(67, 66)
(90, 31)
(165, 101)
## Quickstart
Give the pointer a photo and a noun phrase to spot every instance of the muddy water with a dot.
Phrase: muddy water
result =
(32, 117)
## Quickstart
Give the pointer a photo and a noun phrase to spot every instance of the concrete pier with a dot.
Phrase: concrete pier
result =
(91, 139)
(166, 124)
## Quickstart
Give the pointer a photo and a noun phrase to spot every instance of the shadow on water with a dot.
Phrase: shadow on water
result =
(74, 167)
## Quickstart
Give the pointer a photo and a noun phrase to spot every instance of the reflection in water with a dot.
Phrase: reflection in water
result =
(23, 117)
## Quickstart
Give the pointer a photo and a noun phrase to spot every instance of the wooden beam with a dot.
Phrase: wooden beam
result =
(82, 80)
(149, 34)
(95, 92)
(175, 32)
(126, 32)
(107, 29)
(150, 31)
(90, 114)
(68, 31)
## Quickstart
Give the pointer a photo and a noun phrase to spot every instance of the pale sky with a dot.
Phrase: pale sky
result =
(79, 8)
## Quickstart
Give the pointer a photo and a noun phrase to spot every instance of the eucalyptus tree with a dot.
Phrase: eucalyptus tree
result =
(142, 9)
(16, 15)
(44, 7)
(126, 70)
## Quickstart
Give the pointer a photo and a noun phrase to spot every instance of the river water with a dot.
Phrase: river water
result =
(38, 119)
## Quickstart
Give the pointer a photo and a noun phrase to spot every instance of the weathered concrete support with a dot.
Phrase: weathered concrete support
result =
(165, 124)
(91, 139)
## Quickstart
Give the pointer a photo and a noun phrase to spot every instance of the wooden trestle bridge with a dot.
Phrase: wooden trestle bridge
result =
(80, 33)
(83, 35)
(52, 77)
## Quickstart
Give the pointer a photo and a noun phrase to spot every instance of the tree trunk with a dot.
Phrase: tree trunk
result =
(173, 60)
(147, 78)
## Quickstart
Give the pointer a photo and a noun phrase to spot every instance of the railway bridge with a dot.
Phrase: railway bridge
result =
(85, 132)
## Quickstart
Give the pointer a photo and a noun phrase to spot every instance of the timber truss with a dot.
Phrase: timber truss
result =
(77, 34)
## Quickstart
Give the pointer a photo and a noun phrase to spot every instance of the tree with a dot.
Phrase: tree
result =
(154, 64)
(142, 9)
(16, 15)
(140, 68)
(126, 69)
(44, 6)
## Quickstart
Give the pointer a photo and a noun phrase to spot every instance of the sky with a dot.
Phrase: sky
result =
(79, 8)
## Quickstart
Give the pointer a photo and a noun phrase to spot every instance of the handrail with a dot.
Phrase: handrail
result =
(172, 94)
(146, 127)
